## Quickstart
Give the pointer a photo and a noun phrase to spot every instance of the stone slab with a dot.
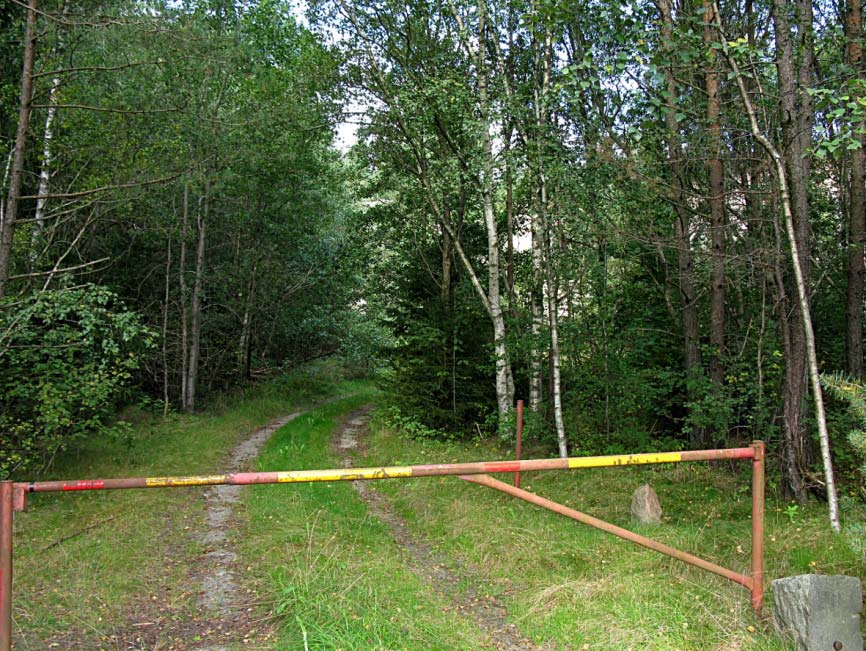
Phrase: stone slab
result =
(819, 612)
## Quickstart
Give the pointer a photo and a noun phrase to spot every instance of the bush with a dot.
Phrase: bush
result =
(66, 359)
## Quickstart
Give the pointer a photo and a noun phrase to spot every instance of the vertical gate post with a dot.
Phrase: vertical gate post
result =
(6, 508)
(757, 526)
(519, 450)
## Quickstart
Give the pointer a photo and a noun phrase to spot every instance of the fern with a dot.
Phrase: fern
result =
(854, 393)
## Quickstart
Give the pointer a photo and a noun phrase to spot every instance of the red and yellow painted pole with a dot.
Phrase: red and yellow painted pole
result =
(13, 498)
(6, 509)
(385, 472)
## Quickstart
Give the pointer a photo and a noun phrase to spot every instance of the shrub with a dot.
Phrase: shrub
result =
(66, 358)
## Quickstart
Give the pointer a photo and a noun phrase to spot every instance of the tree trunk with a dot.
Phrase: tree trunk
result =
(857, 207)
(718, 217)
(447, 261)
(556, 369)
(786, 197)
(44, 176)
(796, 115)
(184, 296)
(165, 373)
(245, 347)
(7, 228)
(682, 227)
(504, 386)
(47, 157)
(195, 306)
(509, 221)
(541, 124)
(536, 351)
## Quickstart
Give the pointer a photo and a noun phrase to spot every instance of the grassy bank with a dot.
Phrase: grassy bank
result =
(583, 589)
(86, 562)
(332, 575)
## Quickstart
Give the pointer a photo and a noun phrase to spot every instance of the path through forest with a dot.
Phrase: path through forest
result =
(443, 576)
(221, 595)
(221, 619)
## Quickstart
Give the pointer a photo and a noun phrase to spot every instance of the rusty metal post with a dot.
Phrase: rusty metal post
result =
(758, 526)
(519, 450)
(6, 565)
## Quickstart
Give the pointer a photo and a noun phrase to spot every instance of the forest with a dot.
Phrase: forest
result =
(644, 218)
(271, 235)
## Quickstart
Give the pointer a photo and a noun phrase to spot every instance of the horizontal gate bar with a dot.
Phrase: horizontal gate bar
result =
(383, 472)
(649, 543)
(13, 497)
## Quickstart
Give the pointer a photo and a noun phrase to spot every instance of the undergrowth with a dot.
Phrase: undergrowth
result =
(86, 562)
(333, 577)
(578, 588)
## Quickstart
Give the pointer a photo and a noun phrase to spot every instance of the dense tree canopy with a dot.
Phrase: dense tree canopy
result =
(178, 161)
(646, 218)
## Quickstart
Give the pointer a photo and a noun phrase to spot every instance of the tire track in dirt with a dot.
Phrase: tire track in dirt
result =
(222, 618)
(220, 595)
(219, 617)
(422, 560)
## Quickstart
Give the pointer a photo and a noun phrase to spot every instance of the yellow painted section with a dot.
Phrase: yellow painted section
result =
(624, 460)
(348, 474)
(200, 480)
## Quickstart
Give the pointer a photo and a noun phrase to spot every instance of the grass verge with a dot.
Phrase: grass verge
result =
(579, 588)
(85, 562)
(329, 572)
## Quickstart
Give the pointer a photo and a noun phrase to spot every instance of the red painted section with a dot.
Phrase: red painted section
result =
(85, 485)
(507, 466)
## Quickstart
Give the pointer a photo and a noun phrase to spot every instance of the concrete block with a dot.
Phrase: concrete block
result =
(820, 613)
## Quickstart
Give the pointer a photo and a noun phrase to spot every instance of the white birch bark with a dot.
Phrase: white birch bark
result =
(541, 119)
(504, 388)
(536, 300)
(47, 157)
(195, 308)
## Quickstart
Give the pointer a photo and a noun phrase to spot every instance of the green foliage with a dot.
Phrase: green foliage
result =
(409, 424)
(845, 109)
(67, 358)
(440, 364)
(362, 344)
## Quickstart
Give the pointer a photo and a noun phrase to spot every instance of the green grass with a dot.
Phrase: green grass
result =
(331, 573)
(139, 549)
(583, 589)
(329, 576)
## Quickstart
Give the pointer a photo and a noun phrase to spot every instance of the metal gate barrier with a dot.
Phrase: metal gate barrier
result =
(13, 497)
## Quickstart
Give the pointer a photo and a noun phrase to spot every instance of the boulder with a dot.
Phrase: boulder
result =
(645, 506)
(820, 613)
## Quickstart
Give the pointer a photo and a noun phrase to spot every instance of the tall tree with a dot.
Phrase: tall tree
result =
(10, 213)
(856, 200)
(717, 200)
